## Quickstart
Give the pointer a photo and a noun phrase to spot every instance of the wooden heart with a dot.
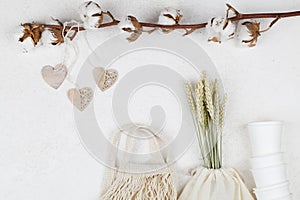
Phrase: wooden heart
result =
(105, 78)
(80, 98)
(54, 76)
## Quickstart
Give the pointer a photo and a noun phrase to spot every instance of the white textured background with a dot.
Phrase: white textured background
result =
(41, 156)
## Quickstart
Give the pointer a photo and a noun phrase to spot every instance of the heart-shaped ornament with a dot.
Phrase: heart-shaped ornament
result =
(80, 98)
(105, 78)
(54, 76)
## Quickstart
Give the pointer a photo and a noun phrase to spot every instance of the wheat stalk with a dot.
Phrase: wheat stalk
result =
(190, 96)
(201, 115)
(208, 111)
(216, 99)
(208, 96)
(222, 111)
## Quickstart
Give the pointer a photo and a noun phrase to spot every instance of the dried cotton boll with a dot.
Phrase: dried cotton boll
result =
(53, 36)
(91, 14)
(169, 16)
(218, 31)
(89, 8)
(91, 23)
(248, 33)
(131, 25)
(24, 43)
(242, 34)
(229, 31)
(33, 31)
(216, 24)
(214, 28)
(126, 24)
(48, 38)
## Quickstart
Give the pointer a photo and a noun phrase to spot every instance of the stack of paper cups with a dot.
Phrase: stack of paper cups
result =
(268, 167)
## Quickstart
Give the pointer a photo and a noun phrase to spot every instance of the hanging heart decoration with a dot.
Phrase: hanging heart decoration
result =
(80, 97)
(54, 76)
(105, 78)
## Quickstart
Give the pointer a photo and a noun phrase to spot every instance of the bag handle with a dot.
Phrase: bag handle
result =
(154, 145)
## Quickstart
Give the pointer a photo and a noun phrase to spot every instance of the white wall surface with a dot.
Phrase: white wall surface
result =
(41, 156)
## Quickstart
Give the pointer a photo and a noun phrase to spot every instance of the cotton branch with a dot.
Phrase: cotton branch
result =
(34, 30)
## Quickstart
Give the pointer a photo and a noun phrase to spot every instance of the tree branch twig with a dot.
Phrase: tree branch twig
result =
(238, 16)
(189, 28)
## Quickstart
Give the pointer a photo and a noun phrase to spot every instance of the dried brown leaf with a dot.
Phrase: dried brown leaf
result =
(150, 31)
(134, 36)
(176, 19)
(26, 32)
(167, 30)
(187, 32)
(34, 31)
(135, 23)
(58, 21)
(127, 29)
(214, 39)
(136, 32)
(169, 16)
(109, 15)
(90, 2)
(36, 34)
(254, 31)
(100, 16)
(57, 34)
(100, 20)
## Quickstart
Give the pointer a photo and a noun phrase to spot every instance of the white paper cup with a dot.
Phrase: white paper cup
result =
(269, 176)
(266, 161)
(265, 137)
(275, 192)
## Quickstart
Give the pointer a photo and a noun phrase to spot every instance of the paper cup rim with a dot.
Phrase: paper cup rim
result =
(254, 123)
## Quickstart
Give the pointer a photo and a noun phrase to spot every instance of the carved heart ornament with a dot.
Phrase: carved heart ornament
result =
(80, 97)
(105, 78)
(54, 76)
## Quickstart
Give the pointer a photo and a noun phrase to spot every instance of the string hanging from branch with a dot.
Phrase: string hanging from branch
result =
(93, 17)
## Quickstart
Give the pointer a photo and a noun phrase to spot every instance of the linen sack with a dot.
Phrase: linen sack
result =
(215, 184)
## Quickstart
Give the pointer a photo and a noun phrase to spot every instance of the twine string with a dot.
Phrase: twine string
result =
(70, 45)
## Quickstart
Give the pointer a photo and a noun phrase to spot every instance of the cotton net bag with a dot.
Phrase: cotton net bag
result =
(152, 179)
